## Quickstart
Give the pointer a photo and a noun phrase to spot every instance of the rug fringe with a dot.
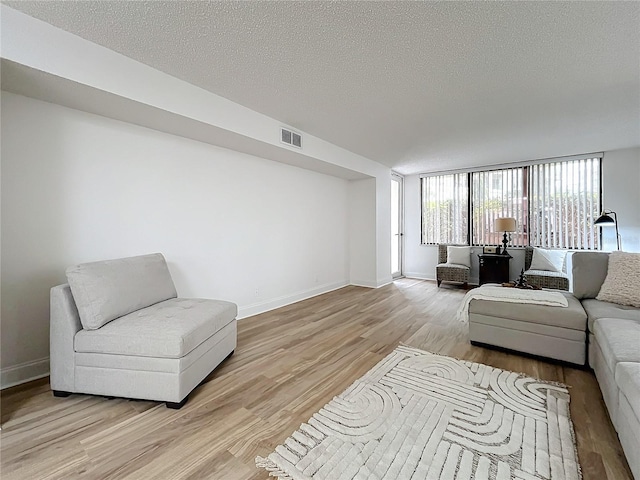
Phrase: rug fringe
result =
(272, 468)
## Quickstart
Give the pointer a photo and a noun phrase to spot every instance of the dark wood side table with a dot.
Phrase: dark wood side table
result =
(494, 268)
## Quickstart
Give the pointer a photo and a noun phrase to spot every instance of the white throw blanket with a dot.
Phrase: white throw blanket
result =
(511, 295)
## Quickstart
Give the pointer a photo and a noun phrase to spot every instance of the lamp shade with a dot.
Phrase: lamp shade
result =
(505, 224)
(605, 220)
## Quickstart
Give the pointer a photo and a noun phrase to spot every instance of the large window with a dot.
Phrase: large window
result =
(564, 203)
(445, 208)
(499, 193)
(554, 204)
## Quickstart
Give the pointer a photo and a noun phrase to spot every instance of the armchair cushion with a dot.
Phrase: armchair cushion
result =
(104, 291)
(169, 329)
(452, 265)
(459, 255)
(548, 260)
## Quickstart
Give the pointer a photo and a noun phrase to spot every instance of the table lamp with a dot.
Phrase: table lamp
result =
(505, 224)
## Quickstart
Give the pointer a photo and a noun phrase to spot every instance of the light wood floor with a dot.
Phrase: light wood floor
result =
(288, 364)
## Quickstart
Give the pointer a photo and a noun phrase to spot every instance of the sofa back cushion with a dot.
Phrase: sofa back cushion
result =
(589, 271)
(104, 291)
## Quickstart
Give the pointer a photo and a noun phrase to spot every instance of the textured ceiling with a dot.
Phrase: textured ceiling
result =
(418, 86)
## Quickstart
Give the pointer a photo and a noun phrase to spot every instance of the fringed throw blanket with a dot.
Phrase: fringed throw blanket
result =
(511, 295)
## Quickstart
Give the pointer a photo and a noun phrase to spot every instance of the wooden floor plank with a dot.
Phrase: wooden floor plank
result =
(289, 362)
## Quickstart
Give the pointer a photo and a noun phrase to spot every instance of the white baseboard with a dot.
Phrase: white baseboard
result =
(368, 284)
(363, 283)
(23, 373)
(419, 276)
(257, 308)
(422, 276)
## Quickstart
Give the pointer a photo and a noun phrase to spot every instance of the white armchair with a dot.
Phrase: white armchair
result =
(118, 329)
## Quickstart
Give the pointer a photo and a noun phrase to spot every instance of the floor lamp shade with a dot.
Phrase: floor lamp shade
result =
(605, 220)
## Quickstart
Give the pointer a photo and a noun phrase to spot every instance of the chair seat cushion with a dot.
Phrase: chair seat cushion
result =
(169, 329)
(618, 340)
(546, 273)
(597, 309)
(452, 265)
(628, 381)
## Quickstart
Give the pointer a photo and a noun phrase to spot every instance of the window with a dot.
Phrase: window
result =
(565, 201)
(499, 193)
(445, 208)
(554, 204)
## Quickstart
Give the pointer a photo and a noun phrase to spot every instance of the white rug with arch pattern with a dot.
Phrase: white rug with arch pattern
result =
(417, 415)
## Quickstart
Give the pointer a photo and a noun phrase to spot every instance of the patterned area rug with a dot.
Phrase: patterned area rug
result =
(417, 415)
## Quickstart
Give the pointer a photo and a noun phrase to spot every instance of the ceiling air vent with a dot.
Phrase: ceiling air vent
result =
(290, 138)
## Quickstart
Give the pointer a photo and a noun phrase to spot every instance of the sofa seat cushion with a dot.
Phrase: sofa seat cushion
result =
(597, 309)
(628, 381)
(169, 329)
(572, 317)
(618, 340)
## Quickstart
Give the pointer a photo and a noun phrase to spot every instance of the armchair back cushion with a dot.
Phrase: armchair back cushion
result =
(547, 260)
(459, 255)
(104, 291)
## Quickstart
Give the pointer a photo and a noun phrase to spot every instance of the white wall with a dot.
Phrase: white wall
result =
(78, 187)
(383, 228)
(621, 193)
(45, 62)
(362, 232)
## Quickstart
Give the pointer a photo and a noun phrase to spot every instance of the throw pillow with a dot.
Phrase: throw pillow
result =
(622, 284)
(459, 255)
(549, 260)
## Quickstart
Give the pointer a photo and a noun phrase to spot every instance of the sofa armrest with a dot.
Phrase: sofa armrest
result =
(64, 324)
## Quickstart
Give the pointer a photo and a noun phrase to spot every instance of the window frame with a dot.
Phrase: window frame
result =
(525, 187)
(422, 223)
(528, 181)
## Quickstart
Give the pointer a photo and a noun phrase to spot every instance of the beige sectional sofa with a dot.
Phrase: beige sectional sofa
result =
(614, 351)
(601, 335)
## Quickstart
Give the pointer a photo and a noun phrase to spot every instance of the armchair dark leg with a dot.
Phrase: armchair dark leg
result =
(179, 405)
(439, 282)
(60, 393)
(465, 285)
